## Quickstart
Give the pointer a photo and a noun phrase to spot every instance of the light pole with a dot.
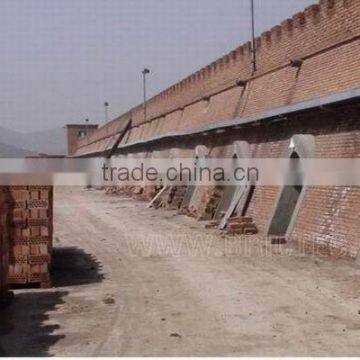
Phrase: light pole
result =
(253, 35)
(87, 129)
(88, 186)
(106, 106)
(145, 72)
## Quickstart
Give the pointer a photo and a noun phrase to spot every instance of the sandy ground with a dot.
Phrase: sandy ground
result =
(135, 281)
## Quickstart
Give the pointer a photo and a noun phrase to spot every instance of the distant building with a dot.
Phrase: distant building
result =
(77, 132)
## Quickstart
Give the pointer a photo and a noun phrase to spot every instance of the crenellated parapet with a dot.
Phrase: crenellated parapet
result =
(107, 130)
(320, 27)
(301, 100)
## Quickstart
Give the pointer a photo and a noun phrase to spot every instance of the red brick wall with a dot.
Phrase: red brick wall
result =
(326, 37)
(332, 71)
(328, 216)
(310, 35)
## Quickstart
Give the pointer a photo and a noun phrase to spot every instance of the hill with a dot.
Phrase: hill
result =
(51, 142)
(9, 151)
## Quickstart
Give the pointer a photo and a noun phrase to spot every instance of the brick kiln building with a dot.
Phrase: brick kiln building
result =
(305, 91)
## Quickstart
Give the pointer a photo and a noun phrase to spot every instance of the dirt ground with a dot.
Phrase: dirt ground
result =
(135, 281)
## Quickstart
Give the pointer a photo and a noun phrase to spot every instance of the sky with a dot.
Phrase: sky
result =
(61, 59)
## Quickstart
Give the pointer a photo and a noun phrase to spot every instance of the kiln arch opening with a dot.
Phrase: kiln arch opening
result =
(290, 196)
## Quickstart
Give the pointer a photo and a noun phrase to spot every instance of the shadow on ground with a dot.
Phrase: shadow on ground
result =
(23, 331)
(73, 266)
(26, 328)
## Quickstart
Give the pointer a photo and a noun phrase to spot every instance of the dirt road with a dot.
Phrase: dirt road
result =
(136, 281)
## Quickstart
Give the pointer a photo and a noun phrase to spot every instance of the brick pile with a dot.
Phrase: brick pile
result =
(243, 225)
(150, 191)
(4, 246)
(137, 191)
(171, 198)
(177, 196)
(162, 197)
(30, 234)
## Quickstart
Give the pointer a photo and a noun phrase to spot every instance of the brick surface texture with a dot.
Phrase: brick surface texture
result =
(4, 243)
(28, 230)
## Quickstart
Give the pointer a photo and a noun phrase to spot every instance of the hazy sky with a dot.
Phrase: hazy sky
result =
(61, 59)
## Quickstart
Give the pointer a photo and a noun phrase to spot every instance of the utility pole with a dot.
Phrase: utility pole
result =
(145, 72)
(106, 106)
(254, 65)
(87, 129)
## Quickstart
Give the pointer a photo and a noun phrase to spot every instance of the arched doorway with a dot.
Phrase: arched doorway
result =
(237, 198)
(227, 196)
(248, 194)
(286, 205)
(192, 193)
(177, 191)
(190, 189)
(290, 195)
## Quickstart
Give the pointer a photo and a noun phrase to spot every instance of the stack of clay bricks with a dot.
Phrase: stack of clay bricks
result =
(209, 202)
(241, 225)
(137, 191)
(176, 196)
(277, 239)
(30, 234)
(172, 198)
(115, 190)
(150, 191)
(4, 246)
(188, 211)
(161, 201)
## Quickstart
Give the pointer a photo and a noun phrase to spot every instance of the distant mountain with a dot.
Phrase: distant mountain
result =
(9, 151)
(8, 136)
(51, 142)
